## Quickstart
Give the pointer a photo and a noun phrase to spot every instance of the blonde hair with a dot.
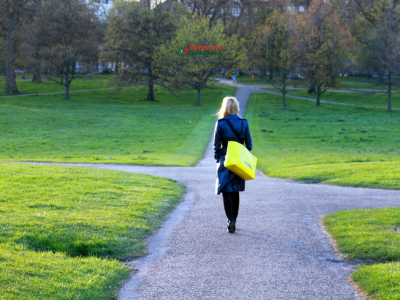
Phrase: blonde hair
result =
(230, 106)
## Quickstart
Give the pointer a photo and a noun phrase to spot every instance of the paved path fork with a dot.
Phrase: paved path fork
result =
(278, 251)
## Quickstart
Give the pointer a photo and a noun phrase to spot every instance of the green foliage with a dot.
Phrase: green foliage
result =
(108, 127)
(322, 41)
(71, 30)
(61, 227)
(345, 145)
(175, 66)
(135, 30)
(272, 48)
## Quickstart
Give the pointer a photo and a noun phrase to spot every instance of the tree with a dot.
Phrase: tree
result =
(34, 38)
(322, 42)
(11, 14)
(3, 54)
(71, 27)
(203, 49)
(134, 32)
(256, 54)
(382, 20)
(272, 47)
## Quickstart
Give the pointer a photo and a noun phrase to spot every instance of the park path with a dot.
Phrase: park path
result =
(279, 251)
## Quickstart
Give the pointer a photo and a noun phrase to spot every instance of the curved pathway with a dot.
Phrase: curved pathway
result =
(278, 251)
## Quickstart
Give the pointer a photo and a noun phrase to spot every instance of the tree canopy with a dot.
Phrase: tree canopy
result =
(195, 53)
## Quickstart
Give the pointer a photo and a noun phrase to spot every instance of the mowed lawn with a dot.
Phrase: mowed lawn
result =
(342, 83)
(334, 144)
(111, 126)
(63, 228)
(374, 99)
(81, 83)
(367, 235)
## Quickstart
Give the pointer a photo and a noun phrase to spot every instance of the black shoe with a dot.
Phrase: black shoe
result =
(231, 226)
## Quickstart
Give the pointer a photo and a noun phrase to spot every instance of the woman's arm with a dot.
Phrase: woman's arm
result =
(217, 143)
(247, 137)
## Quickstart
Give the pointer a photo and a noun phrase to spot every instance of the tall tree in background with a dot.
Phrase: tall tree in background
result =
(3, 54)
(238, 16)
(11, 14)
(382, 19)
(34, 38)
(273, 46)
(180, 68)
(71, 27)
(258, 52)
(134, 32)
(322, 42)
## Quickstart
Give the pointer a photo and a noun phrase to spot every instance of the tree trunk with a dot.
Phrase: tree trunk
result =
(150, 93)
(390, 91)
(36, 74)
(271, 73)
(198, 97)
(318, 95)
(67, 83)
(262, 73)
(311, 90)
(11, 83)
(379, 79)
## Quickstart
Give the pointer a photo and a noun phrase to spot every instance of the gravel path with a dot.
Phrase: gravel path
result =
(278, 251)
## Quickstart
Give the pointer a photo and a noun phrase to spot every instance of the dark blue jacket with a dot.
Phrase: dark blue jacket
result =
(227, 181)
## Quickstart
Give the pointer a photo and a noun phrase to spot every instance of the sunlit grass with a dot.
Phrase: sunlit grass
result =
(81, 83)
(109, 127)
(375, 99)
(344, 145)
(63, 228)
(368, 235)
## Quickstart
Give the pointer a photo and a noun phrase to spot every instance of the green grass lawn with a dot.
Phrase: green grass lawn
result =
(343, 97)
(366, 86)
(110, 127)
(63, 228)
(334, 144)
(368, 235)
(81, 83)
(344, 83)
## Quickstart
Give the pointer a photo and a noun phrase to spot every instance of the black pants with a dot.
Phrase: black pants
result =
(231, 204)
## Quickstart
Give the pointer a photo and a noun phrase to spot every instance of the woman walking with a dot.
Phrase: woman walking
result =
(230, 127)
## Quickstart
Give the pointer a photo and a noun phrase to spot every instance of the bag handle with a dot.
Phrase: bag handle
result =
(234, 130)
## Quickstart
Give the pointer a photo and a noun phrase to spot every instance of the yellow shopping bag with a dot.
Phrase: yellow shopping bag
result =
(240, 161)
